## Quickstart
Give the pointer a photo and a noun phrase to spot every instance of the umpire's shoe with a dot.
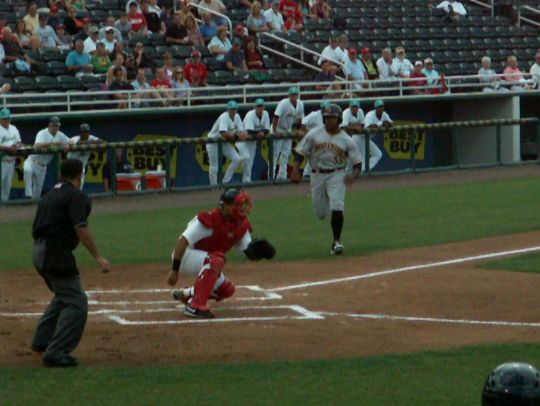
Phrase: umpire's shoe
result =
(197, 313)
(66, 361)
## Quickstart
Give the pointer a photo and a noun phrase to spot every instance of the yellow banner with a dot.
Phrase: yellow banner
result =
(398, 143)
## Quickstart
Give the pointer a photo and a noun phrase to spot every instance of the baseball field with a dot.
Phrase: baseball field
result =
(438, 285)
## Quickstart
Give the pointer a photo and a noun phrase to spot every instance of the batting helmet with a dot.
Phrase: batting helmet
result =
(332, 110)
(512, 383)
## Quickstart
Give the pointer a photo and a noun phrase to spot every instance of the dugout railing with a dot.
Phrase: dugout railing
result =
(409, 131)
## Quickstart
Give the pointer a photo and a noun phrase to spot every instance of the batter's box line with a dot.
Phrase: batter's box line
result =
(266, 295)
(303, 314)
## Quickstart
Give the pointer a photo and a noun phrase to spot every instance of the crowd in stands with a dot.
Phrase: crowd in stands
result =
(119, 48)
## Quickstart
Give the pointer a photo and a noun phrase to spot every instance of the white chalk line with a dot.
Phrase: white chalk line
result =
(415, 319)
(407, 269)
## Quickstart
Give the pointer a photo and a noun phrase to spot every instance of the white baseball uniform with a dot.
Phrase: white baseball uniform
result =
(375, 153)
(287, 115)
(81, 155)
(247, 149)
(328, 155)
(8, 137)
(224, 123)
(312, 120)
(372, 118)
(35, 165)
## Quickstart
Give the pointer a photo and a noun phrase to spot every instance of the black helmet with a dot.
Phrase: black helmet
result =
(332, 110)
(229, 195)
(512, 383)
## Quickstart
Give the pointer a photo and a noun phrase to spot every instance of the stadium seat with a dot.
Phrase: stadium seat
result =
(69, 82)
(50, 54)
(55, 68)
(23, 84)
(44, 83)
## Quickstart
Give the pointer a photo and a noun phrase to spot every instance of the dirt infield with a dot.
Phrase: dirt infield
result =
(391, 302)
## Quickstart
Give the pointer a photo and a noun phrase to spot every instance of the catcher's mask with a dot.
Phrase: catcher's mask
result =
(240, 201)
(512, 383)
(332, 110)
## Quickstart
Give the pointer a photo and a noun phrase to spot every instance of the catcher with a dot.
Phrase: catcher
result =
(200, 251)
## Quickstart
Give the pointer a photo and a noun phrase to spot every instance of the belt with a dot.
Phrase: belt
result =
(326, 170)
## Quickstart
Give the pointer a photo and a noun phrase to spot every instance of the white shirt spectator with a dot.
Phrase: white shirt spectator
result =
(403, 67)
(343, 54)
(117, 33)
(456, 6)
(89, 45)
(47, 36)
(355, 69)
(214, 5)
(274, 20)
(2, 53)
(109, 45)
(371, 118)
(81, 155)
(224, 123)
(45, 137)
(217, 42)
(386, 70)
(253, 123)
(350, 118)
(331, 54)
(288, 114)
(535, 74)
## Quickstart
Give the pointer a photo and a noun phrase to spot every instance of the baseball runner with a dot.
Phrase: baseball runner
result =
(312, 120)
(35, 165)
(328, 148)
(228, 127)
(353, 122)
(84, 138)
(289, 113)
(10, 141)
(200, 252)
(257, 125)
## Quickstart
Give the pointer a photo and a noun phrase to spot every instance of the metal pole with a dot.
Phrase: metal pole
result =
(168, 167)
(412, 146)
(220, 160)
(112, 157)
(498, 135)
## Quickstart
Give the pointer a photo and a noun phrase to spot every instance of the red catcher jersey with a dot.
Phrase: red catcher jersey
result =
(225, 233)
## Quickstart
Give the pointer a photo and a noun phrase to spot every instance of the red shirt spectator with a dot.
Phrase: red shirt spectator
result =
(254, 59)
(420, 76)
(195, 72)
(137, 19)
(292, 13)
(161, 81)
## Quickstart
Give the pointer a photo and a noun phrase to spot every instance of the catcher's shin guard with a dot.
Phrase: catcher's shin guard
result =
(225, 290)
(206, 280)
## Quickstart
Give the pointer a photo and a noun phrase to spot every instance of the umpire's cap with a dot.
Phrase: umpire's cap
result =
(333, 110)
(512, 383)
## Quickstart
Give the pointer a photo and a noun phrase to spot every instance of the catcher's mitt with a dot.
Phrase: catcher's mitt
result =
(259, 249)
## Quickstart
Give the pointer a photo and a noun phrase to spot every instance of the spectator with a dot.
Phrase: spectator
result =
(153, 19)
(137, 20)
(142, 60)
(141, 85)
(513, 75)
(292, 13)
(185, 11)
(2, 55)
(176, 32)
(100, 60)
(181, 86)
(123, 25)
(118, 63)
(354, 69)
(168, 64)
(254, 58)
(119, 83)
(2, 23)
(118, 50)
(91, 42)
(31, 18)
(385, 65)
(234, 59)
(72, 23)
(332, 54)
(63, 37)
(163, 84)
(154, 7)
(24, 37)
(47, 36)
(54, 19)
(110, 40)
(217, 7)
(195, 71)
(167, 14)
(420, 78)
(370, 67)
(256, 22)
(488, 77)
(79, 62)
(208, 28)
(241, 32)
(453, 10)
(109, 23)
(535, 70)
(193, 33)
(343, 47)
(80, 5)
(274, 18)
(220, 44)
(14, 53)
(131, 68)
(327, 75)
(433, 78)
(402, 65)
(85, 32)
(320, 9)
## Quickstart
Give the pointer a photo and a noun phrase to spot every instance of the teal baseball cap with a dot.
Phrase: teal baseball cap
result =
(232, 105)
(354, 103)
(259, 102)
(325, 104)
(293, 90)
(379, 103)
(5, 113)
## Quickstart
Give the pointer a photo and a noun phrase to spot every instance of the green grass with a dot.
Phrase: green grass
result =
(454, 377)
(522, 263)
(375, 221)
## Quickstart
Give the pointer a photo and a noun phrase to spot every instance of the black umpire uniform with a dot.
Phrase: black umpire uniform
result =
(60, 212)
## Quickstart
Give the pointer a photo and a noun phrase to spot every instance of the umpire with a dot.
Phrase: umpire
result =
(59, 225)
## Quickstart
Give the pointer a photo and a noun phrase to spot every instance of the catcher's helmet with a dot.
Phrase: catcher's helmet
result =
(241, 201)
(512, 383)
(332, 110)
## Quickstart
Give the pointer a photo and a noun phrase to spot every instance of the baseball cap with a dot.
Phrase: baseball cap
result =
(85, 127)
(379, 103)
(325, 104)
(55, 120)
(5, 113)
(354, 103)
(428, 60)
(60, 26)
(293, 90)
(366, 50)
(259, 102)
(353, 51)
(109, 29)
(93, 29)
(232, 105)
(418, 63)
(195, 53)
